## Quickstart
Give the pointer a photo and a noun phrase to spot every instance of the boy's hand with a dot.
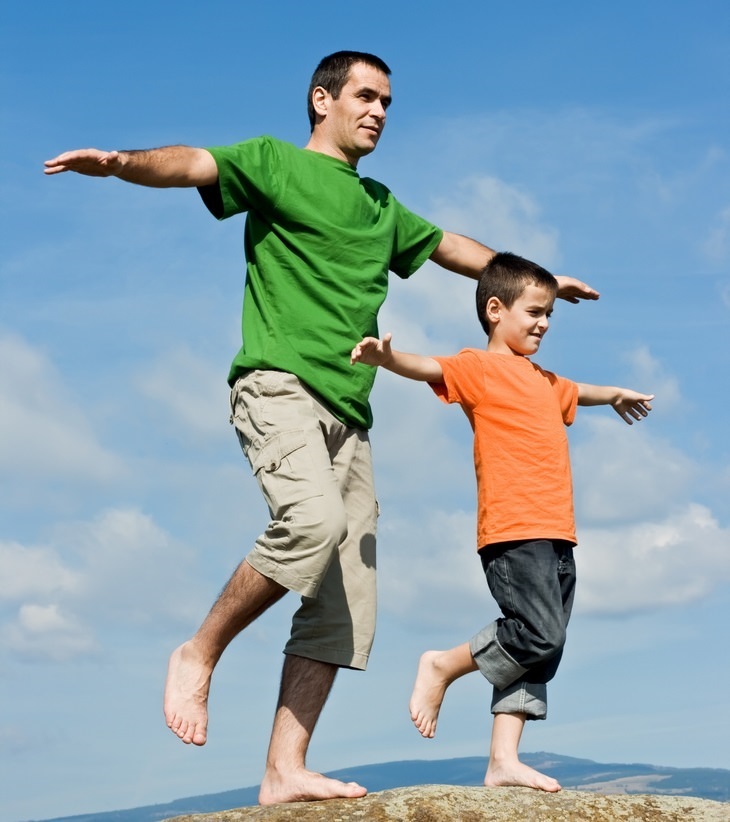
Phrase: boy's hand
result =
(371, 351)
(628, 404)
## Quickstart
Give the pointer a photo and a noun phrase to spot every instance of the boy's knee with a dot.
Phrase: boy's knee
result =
(551, 640)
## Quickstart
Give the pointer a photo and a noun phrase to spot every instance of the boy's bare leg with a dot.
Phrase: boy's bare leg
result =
(246, 596)
(305, 686)
(505, 768)
(436, 671)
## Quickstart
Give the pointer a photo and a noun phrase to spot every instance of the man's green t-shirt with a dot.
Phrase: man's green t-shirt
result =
(319, 243)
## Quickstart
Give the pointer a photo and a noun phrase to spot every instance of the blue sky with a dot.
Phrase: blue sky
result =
(590, 137)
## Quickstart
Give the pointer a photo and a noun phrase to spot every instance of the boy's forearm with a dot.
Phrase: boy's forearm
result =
(597, 394)
(630, 405)
(413, 366)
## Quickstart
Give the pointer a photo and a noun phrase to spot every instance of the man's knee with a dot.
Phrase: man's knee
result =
(318, 524)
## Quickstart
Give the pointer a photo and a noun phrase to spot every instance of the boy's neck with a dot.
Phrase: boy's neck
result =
(498, 346)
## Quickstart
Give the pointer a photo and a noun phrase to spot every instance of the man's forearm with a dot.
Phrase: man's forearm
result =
(167, 167)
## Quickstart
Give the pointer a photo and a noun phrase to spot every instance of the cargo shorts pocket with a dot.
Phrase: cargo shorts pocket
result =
(285, 471)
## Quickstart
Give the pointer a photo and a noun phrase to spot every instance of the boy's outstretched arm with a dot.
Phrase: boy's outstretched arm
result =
(626, 403)
(372, 351)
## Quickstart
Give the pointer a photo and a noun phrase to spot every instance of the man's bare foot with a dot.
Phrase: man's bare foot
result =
(428, 693)
(514, 773)
(305, 786)
(186, 695)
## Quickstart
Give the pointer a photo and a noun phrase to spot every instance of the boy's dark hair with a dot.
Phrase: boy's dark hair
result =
(505, 277)
(333, 71)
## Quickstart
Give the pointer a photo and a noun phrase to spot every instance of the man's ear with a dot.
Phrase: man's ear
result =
(320, 101)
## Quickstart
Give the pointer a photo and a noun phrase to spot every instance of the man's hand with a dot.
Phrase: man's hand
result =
(89, 161)
(628, 404)
(371, 351)
(574, 290)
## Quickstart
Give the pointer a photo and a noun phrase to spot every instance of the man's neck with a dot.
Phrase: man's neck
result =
(325, 147)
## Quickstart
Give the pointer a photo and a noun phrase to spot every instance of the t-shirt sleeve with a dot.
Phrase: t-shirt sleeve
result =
(567, 393)
(463, 379)
(415, 240)
(244, 180)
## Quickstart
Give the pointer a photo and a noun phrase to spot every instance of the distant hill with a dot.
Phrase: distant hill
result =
(583, 774)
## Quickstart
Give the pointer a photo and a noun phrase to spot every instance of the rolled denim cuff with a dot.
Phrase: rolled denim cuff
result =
(521, 698)
(492, 660)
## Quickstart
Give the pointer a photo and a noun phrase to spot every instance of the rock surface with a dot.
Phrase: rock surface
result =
(443, 803)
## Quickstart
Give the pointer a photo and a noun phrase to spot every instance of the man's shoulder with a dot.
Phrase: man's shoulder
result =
(375, 185)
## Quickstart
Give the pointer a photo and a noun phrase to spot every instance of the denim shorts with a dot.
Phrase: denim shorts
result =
(315, 474)
(533, 583)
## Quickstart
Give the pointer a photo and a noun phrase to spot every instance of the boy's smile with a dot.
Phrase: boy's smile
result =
(519, 329)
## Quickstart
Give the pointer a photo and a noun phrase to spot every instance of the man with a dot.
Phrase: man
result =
(319, 242)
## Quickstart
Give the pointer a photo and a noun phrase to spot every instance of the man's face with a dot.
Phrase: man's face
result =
(355, 120)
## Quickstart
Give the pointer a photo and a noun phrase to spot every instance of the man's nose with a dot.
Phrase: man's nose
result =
(378, 110)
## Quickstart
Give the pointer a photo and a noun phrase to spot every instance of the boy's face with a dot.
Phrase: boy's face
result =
(520, 329)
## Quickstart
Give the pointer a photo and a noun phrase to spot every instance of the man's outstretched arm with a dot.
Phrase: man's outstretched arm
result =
(166, 167)
(468, 257)
(462, 255)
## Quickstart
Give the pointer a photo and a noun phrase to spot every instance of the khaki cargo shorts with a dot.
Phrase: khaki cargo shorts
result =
(316, 476)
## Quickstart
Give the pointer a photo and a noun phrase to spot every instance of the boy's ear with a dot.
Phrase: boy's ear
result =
(493, 309)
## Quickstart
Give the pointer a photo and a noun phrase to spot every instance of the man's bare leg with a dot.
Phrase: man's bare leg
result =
(505, 768)
(305, 686)
(436, 671)
(245, 597)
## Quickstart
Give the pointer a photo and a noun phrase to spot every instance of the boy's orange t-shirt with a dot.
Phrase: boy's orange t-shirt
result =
(518, 413)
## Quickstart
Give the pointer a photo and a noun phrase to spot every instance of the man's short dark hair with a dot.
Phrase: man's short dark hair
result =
(505, 277)
(332, 73)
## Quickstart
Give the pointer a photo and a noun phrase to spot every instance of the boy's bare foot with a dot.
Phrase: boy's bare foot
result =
(428, 693)
(186, 695)
(305, 786)
(513, 773)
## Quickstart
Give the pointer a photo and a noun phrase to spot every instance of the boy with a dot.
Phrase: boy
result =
(525, 521)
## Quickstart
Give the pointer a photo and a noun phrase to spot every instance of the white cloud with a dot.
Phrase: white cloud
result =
(121, 568)
(648, 565)
(484, 207)
(191, 390)
(43, 432)
(31, 572)
(623, 474)
(46, 632)
(429, 569)
(650, 376)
